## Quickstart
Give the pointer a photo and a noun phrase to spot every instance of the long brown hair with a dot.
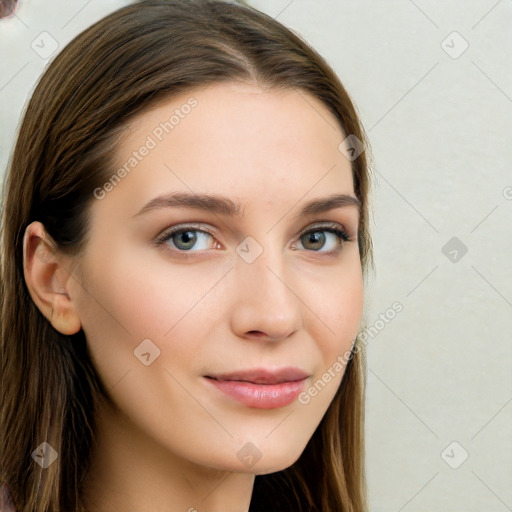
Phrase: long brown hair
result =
(112, 71)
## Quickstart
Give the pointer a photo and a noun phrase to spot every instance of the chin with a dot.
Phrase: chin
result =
(277, 462)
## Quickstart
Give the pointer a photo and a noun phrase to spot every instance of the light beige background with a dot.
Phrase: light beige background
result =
(440, 123)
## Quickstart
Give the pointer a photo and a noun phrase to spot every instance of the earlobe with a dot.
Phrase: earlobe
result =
(48, 280)
(64, 318)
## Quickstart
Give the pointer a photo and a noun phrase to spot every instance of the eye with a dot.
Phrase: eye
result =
(185, 238)
(316, 239)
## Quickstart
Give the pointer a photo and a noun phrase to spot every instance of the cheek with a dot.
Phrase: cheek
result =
(338, 306)
(125, 301)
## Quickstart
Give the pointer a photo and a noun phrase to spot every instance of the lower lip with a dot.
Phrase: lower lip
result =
(260, 396)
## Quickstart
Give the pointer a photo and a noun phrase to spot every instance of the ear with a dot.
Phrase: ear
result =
(48, 277)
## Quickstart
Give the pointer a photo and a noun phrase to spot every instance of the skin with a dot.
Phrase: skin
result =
(171, 442)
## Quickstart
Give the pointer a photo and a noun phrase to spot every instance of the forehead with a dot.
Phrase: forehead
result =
(234, 138)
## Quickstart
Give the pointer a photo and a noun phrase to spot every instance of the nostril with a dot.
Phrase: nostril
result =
(256, 334)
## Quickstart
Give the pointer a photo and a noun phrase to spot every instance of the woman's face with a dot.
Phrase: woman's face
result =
(235, 291)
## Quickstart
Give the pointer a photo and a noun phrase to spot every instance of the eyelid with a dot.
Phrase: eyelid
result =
(319, 225)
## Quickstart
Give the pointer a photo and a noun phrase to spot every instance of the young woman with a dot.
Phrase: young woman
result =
(184, 247)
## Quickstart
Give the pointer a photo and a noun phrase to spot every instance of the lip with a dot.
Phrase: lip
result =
(261, 388)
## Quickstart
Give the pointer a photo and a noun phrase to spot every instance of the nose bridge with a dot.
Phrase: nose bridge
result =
(262, 266)
(265, 300)
(267, 276)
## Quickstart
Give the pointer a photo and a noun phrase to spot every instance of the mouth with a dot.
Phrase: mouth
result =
(263, 376)
(261, 388)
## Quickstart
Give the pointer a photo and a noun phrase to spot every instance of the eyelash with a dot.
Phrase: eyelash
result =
(329, 227)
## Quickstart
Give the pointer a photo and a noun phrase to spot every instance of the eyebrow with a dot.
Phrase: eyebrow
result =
(226, 206)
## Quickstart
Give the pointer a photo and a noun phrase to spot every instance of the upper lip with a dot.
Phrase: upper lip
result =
(263, 375)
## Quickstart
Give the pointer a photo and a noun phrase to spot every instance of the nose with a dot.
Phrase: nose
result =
(265, 305)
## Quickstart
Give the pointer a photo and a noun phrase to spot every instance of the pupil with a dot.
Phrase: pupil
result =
(316, 237)
(188, 237)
